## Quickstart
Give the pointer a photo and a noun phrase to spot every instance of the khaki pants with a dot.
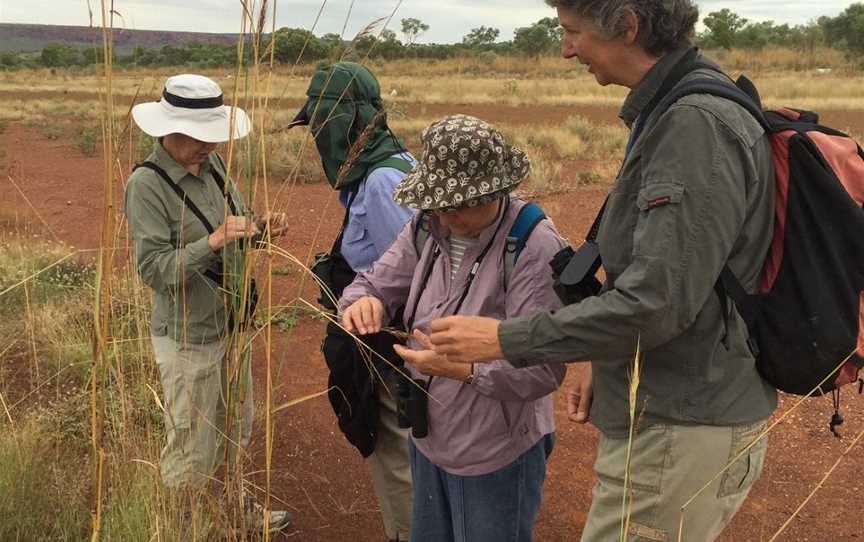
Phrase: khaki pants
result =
(390, 465)
(195, 396)
(669, 464)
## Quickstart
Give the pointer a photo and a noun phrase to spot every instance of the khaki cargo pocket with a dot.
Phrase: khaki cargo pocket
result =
(649, 457)
(744, 472)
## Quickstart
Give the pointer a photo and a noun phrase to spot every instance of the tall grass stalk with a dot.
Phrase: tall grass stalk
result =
(627, 500)
(104, 270)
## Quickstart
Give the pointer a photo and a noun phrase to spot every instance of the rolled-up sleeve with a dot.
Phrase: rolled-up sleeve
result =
(691, 208)
(161, 265)
(530, 291)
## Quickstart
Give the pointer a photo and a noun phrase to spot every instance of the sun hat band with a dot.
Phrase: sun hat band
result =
(193, 103)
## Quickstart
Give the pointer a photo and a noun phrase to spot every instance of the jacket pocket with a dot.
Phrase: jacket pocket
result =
(659, 194)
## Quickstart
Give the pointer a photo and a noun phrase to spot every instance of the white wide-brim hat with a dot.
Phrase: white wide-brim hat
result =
(192, 105)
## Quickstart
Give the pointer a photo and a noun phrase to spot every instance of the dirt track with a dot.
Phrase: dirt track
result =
(325, 481)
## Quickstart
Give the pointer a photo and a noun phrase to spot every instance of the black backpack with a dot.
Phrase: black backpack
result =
(807, 320)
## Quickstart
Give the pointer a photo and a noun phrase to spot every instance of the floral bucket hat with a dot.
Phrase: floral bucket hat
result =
(466, 162)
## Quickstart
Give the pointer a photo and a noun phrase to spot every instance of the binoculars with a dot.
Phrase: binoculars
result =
(574, 273)
(412, 406)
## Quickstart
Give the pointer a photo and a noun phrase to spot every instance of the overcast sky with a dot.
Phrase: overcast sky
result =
(449, 20)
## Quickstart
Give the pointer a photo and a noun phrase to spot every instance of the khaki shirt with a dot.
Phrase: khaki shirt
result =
(172, 251)
(695, 192)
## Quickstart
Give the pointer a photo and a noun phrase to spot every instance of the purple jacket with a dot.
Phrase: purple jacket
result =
(474, 429)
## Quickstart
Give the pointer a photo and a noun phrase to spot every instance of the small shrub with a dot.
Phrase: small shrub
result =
(53, 131)
(86, 140)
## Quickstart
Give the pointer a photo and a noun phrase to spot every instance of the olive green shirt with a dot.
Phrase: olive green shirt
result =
(695, 192)
(171, 247)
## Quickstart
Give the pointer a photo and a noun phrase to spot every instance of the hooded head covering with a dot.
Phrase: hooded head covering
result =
(344, 99)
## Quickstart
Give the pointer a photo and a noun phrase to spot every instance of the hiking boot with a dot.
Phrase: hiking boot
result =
(280, 520)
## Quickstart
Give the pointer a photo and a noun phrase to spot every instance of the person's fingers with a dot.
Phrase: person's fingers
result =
(377, 315)
(442, 325)
(571, 397)
(365, 315)
(583, 405)
(405, 353)
(348, 320)
(423, 339)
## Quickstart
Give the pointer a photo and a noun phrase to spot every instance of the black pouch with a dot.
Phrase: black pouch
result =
(335, 275)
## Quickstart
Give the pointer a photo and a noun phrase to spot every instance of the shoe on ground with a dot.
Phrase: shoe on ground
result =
(280, 520)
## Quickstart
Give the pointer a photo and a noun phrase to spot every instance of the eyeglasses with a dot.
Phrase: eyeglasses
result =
(447, 210)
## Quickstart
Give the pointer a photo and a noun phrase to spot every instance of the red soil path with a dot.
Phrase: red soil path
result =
(325, 481)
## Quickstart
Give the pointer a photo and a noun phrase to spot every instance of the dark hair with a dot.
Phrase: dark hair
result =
(664, 25)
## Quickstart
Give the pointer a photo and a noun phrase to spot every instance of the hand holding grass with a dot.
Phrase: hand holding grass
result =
(365, 316)
(277, 223)
(234, 227)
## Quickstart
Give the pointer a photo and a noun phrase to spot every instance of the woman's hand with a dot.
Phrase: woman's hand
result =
(429, 363)
(276, 222)
(365, 316)
(234, 227)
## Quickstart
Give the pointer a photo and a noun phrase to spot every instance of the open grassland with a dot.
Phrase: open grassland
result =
(551, 106)
(51, 143)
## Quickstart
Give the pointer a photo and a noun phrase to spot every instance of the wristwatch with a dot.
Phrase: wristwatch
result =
(470, 378)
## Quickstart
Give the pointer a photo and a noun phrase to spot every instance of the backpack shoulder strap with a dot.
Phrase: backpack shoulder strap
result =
(393, 162)
(737, 93)
(221, 182)
(180, 193)
(529, 216)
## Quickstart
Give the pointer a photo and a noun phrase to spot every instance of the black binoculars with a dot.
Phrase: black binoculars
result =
(412, 406)
(574, 273)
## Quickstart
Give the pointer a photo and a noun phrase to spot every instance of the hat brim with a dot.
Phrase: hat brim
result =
(408, 195)
(213, 126)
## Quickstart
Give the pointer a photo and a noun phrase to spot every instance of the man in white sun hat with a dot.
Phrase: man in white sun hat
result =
(188, 233)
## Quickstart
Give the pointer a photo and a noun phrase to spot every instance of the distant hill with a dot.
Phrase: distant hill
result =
(21, 38)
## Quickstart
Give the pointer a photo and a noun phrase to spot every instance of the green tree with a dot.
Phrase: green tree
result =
(847, 29)
(482, 37)
(723, 26)
(293, 44)
(333, 42)
(541, 38)
(56, 55)
(9, 60)
(412, 29)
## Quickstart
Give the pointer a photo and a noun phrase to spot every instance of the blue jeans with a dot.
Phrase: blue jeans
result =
(497, 507)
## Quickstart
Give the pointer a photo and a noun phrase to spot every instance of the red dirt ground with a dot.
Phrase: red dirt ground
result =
(325, 481)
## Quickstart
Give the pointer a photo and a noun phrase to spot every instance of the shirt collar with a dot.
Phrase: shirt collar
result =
(644, 92)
